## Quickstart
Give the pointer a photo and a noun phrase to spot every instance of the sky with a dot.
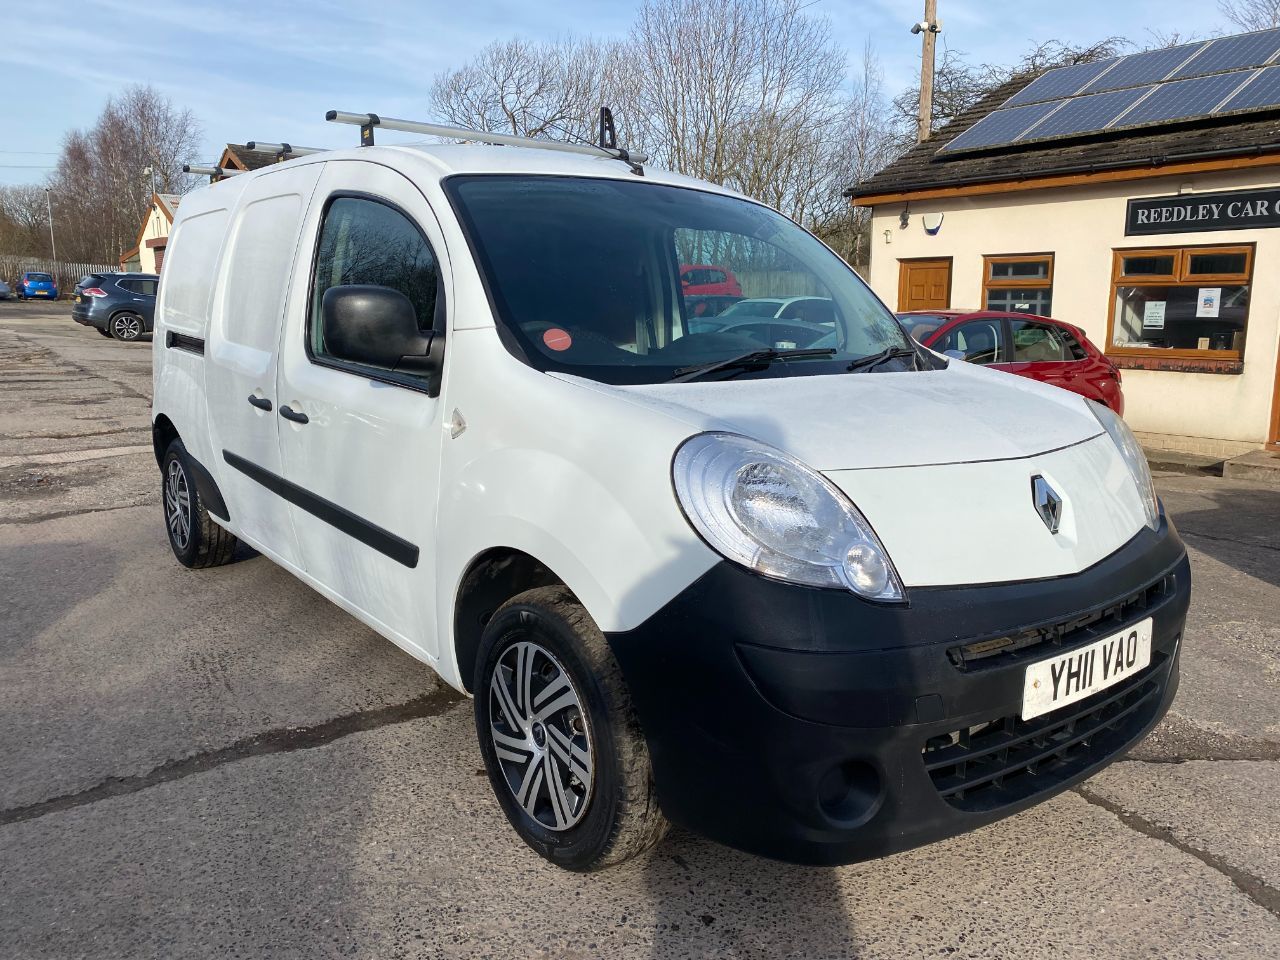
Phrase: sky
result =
(269, 69)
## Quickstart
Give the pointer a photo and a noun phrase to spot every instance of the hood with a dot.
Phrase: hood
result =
(861, 421)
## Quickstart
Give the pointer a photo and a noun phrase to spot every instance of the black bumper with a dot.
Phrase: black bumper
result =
(811, 726)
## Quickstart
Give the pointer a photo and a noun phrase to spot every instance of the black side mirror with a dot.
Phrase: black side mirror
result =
(378, 326)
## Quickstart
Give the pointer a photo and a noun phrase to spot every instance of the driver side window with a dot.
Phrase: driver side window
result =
(363, 241)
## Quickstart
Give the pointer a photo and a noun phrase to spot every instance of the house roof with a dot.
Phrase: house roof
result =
(1141, 150)
(168, 203)
(239, 157)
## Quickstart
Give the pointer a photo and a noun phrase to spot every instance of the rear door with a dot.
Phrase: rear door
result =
(1042, 351)
(249, 304)
(362, 450)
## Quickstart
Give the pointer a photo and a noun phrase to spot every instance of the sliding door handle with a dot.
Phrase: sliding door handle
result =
(262, 403)
(295, 416)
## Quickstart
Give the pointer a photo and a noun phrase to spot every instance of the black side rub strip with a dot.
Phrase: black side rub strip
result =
(180, 341)
(371, 535)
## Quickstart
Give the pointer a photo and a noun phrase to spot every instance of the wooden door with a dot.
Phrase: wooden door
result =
(924, 284)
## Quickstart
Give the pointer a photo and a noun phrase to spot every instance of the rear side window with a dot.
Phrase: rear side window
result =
(980, 341)
(1040, 343)
(146, 288)
(366, 242)
(192, 265)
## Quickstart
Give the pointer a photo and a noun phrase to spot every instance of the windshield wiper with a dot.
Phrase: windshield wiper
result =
(754, 358)
(891, 353)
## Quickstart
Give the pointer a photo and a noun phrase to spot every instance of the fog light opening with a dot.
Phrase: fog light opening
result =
(849, 792)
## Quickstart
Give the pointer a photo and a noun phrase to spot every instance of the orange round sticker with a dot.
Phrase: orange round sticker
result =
(557, 339)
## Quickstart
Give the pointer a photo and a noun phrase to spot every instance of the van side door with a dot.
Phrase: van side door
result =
(249, 303)
(362, 443)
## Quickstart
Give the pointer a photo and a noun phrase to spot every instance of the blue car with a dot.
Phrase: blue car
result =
(35, 285)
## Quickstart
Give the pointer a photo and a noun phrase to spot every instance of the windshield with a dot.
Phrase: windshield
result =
(585, 278)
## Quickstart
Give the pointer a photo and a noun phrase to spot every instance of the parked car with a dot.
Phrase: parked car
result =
(707, 306)
(811, 309)
(6, 291)
(708, 280)
(119, 305)
(821, 605)
(35, 285)
(1036, 347)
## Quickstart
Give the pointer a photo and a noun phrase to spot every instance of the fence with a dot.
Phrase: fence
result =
(66, 274)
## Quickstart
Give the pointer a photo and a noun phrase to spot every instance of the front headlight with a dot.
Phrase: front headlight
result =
(1133, 456)
(772, 514)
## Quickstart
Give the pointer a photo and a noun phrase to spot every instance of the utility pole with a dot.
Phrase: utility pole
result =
(48, 201)
(929, 28)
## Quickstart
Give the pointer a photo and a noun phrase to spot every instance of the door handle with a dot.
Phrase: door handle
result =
(295, 416)
(262, 403)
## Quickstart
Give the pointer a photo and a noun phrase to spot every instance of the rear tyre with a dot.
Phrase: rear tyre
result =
(561, 743)
(126, 326)
(197, 541)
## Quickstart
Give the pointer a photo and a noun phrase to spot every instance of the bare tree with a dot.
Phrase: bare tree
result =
(743, 93)
(102, 187)
(1251, 14)
(531, 89)
(24, 220)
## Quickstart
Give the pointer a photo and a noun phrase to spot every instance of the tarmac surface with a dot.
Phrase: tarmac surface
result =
(223, 764)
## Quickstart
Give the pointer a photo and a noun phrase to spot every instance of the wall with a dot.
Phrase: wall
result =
(157, 226)
(1211, 413)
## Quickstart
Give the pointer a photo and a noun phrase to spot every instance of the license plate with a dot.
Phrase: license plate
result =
(1055, 683)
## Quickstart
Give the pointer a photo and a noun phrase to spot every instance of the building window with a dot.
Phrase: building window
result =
(1180, 302)
(1018, 284)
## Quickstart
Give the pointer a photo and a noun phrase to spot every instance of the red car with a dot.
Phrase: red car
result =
(1036, 347)
(698, 279)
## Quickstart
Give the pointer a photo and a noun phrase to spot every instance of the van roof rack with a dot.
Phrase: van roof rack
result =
(367, 121)
(283, 151)
(211, 171)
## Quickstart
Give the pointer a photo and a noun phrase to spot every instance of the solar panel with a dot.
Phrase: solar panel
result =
(1262, 92)
(1182, 99)
(1003, 126)
(1059, 83)
(1085, 114)
(1141, 69)
(1232, 53)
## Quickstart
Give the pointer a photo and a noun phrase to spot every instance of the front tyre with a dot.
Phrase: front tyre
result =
(197, 541)
(563, 748)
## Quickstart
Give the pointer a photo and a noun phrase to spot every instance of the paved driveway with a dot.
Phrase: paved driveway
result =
(222, 764)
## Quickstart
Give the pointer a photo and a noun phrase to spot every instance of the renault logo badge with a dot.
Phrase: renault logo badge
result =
(1048, 503)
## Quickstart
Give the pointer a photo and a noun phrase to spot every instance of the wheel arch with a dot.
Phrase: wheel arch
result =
(491, 579)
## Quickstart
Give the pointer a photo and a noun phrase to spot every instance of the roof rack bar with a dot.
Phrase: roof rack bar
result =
(283, 149)
(203, 171)
(367, 121)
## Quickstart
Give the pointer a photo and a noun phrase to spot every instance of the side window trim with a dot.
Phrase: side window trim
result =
(438, 321)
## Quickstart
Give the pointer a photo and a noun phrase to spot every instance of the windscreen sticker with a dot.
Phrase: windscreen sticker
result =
(557, 339)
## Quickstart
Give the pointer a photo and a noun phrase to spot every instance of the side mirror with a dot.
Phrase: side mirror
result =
(378, 326)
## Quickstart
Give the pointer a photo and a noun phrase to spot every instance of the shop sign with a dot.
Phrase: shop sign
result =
(1198, 212)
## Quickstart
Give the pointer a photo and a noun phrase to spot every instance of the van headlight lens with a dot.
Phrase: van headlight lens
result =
(772, 514)
(1133, 456)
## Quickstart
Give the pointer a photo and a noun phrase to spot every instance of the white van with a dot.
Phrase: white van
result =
(817, 593)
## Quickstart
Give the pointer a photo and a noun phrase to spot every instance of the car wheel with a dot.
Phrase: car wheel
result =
(105, 333)
(197, 541)
(126, 326)
(561, 743)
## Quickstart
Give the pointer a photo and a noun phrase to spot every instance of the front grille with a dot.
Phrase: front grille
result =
(1039, 642)
(1002, 761)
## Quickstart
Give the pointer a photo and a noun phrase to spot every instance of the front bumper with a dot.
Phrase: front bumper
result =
(811, 726)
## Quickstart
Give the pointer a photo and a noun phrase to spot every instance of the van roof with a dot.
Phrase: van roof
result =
(437, 161)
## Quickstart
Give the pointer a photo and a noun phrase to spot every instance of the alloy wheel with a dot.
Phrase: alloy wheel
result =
(541, 735)
(177, 504)
(127, 327)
